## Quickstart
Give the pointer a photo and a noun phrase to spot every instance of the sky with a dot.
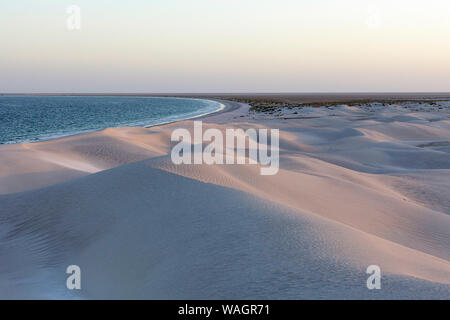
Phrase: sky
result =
(224, 46)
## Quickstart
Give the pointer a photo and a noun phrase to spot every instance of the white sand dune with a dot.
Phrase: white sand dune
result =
(354, 189)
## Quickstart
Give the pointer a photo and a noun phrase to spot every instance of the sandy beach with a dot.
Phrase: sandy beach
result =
(358, 185)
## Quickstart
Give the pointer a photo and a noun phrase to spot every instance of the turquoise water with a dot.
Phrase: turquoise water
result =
(35, 118)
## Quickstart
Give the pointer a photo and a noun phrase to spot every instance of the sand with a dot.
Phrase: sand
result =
(357, 186)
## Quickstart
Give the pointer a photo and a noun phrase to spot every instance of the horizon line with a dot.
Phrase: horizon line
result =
(222, 93)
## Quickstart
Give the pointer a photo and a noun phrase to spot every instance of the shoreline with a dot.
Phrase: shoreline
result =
(225, 106)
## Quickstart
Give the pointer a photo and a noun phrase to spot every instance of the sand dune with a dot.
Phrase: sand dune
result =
(353, 189)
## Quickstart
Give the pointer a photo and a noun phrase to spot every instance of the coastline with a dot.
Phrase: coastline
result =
(227, 106)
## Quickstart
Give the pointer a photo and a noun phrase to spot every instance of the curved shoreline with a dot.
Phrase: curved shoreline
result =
(225, 106)
(228, 106)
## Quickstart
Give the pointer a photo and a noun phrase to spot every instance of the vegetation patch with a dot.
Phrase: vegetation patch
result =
(274, 105)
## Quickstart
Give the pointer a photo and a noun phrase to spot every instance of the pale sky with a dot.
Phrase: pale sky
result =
(225, 46)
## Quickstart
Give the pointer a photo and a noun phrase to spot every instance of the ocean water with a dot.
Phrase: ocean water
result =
(35, 118)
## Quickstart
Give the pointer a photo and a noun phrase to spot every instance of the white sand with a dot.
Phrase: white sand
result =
(354, 189)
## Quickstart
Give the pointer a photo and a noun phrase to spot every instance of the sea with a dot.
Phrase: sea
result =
(37, 118)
